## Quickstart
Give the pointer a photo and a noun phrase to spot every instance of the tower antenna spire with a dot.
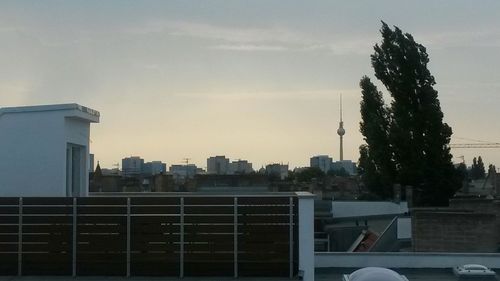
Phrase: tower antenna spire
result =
(340, 107)
(341, 132)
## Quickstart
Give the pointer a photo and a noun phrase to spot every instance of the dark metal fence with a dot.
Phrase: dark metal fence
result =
(141, 236)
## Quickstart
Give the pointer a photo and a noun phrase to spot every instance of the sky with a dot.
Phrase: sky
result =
(256, 80)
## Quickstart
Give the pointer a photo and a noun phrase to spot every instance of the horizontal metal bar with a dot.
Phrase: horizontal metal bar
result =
(102, 215)
(62, 205)
(155, 215)
(99, 206)
(155, 205)
(193, 194)
(47, 215)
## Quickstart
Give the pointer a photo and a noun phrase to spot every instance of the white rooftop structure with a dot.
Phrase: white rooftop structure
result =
(44, 150)
(374, 274)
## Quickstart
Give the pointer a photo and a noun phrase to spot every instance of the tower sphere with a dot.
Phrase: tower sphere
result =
(340, 131)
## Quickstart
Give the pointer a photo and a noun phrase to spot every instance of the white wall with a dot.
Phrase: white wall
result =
(77, 131)
(32, 163)
(33, 151)
(345, 209)
(404, 228)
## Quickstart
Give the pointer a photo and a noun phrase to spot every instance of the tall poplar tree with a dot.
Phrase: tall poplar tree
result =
(418, 138)
(374, 126)
(477, 170)
(480, 168)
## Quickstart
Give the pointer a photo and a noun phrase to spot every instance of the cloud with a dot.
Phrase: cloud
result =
(276, 38)
(301, 95)
(249, 47)
(463, 38)
(11, 29)
(247, 39)
(355, 46)
(15, 92)
(218, 32)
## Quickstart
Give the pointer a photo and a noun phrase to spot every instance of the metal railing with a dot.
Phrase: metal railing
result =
(179, 235)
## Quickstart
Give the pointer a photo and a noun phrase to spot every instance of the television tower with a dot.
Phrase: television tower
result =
(341, 132)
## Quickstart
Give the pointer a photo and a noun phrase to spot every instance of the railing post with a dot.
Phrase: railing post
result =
(181, 253)
(235, 237)
(128, 236)
(290, 243)
(74, 243)
(328, 243)
(20, 239)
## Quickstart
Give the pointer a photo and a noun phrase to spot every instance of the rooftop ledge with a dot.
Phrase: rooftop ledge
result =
(403, 259)
(76, 110)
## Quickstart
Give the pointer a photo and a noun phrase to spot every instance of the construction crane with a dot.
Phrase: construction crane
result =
(478, 144)
(186, 161)
(475, 144)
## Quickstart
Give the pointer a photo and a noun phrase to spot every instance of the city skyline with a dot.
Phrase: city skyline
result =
(258, 82)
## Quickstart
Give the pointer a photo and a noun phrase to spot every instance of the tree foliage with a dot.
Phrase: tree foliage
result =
(308, 174)
(477, 170)
(338, 173)
(376, 157)
(407, 142)
(492, 169)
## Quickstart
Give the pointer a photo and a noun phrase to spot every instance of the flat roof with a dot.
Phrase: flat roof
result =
(88, 113)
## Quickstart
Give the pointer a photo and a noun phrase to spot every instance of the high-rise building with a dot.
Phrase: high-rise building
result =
(154, 168)
(218, 165)
(184, 171)
(278, 170)
(323, 162)
(346, 165)
(132, 166)
(240, 167)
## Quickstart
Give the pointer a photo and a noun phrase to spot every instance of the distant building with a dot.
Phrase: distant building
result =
(347, 165)
(132, 166)
(111, 172)
(218, 165)
(154, 168)
(278, 170)
(180, 172)
(232, 183)
(44, 150)
(240, 167)
(162, 183)
(323, 162)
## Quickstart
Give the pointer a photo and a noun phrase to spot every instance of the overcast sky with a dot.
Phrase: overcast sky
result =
(255, 80)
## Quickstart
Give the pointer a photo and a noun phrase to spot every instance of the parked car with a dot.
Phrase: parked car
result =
(473, 270)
